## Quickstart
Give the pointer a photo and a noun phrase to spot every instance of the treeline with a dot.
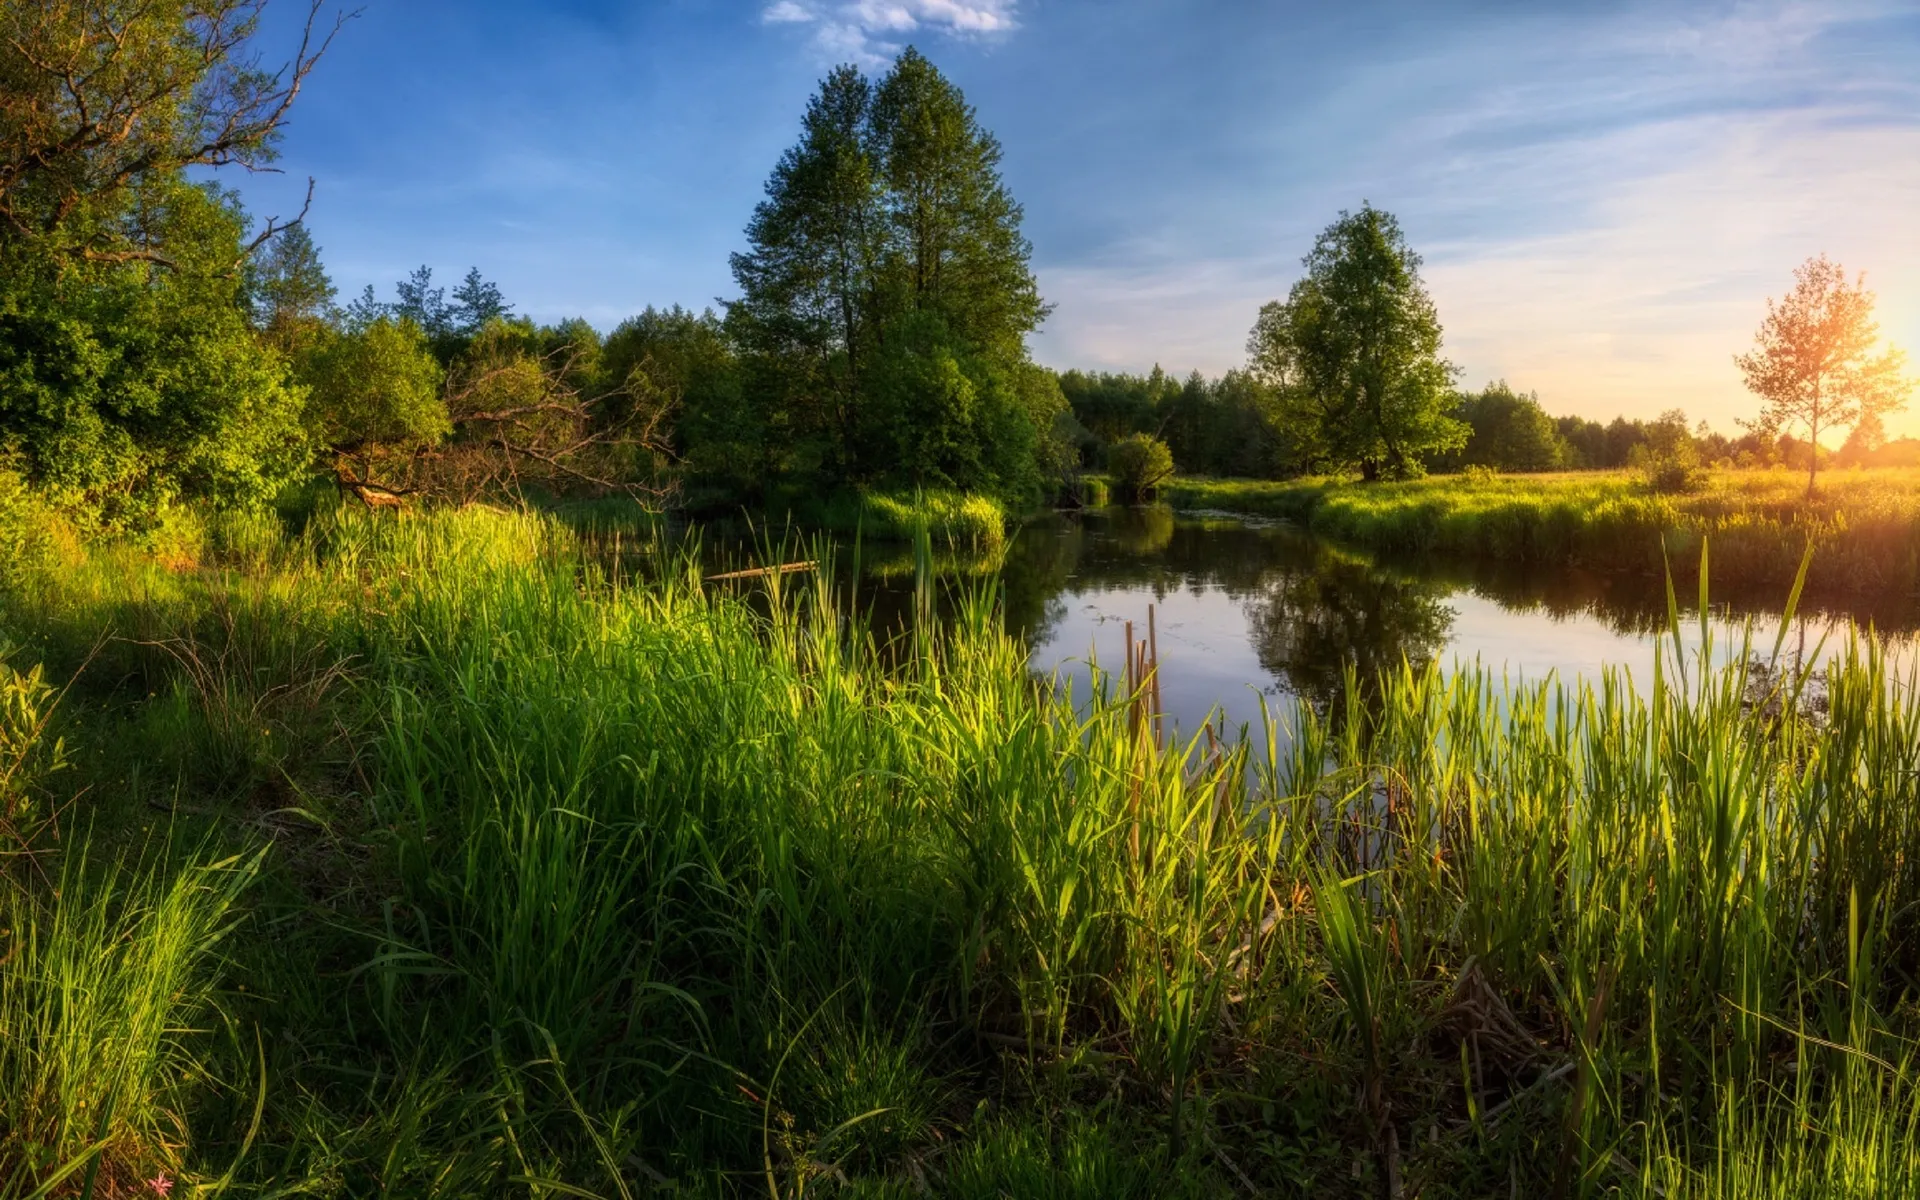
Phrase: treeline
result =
(1230, 426)
(159, 347)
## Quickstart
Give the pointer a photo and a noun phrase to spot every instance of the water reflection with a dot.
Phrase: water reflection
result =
(1250, 610)
(1314, 619)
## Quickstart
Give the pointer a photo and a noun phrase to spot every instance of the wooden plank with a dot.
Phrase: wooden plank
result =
(762, 572)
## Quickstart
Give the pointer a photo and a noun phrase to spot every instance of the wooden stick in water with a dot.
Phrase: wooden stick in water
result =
(762, 572)
(1153, 656)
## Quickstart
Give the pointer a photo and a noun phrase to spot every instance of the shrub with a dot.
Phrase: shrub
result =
(27, 754)
(1139, 465)
(1669, 469)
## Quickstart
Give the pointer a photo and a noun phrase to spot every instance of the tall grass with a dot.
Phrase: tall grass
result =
(578, 883)
(102, 984)
(1865, 523)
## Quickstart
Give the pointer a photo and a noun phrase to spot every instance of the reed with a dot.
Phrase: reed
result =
(1865, 524)
(558, 881)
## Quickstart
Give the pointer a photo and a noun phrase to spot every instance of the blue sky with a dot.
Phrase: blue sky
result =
(1605, 193)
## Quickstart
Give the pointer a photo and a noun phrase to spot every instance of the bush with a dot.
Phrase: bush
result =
(1139, 465)
(1669, 460)
(27, 754)
(1669, 469)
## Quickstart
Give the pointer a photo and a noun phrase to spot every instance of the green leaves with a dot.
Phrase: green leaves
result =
(378, 383)
(1354, 352)
(887, 296)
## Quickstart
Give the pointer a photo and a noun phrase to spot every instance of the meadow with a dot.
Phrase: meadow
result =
(1863, 524)
(420, 855)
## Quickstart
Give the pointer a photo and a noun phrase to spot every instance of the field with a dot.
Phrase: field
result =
(418, 856)
(1864, 524)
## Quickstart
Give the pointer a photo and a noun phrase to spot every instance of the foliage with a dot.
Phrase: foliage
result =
(292, 296)
(1865, 526)
(1668, 459)
(1509, 432)
(1813, 362)
(710, 888)
(125, 387)
(103, 104)
(886, 296)
(1138, 465)
(375, 385)
(1353, 353)
(1224, 426)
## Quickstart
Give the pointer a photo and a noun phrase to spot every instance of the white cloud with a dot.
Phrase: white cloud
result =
(871, 31)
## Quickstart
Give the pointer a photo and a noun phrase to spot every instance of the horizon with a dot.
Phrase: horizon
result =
(1605, 197)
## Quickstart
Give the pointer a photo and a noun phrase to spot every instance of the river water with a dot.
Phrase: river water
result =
(1245, 609)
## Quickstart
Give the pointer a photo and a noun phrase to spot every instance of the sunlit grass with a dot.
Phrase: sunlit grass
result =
(573, 884)
(1865, 524)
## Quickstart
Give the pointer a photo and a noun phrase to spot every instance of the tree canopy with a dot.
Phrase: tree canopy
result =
(1813, 361)
(1353, 353)
(886, 296)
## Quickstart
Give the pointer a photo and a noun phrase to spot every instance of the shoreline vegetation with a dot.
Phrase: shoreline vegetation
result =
(415, 854)
(1863, 525)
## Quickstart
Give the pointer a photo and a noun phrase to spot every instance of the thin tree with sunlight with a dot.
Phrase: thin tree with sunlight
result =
(1813, 360)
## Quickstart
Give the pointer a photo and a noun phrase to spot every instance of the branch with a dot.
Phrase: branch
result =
(275, 227)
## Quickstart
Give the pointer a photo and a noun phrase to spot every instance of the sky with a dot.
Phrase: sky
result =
(1605, 195)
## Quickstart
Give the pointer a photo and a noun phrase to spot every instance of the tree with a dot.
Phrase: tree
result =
(887, 256)
(1354, 352)
(674, 361)
(101, 101)
(809, 280)
(291, 294)
(1868, 436)
(955, 245)
(377, 385)
(130, 374)
(1668, 458)
(1139, 465)
(1813, 362)
(418, 301)
(476, 302)
(1510, 432)
(126, 386)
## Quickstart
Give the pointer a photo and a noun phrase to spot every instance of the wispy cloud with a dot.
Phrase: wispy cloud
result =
(871, 31)
(1604, 210)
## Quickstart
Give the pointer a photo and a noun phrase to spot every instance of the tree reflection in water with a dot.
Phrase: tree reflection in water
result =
(1327, 613)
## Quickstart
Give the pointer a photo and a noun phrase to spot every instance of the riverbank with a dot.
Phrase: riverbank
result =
(414, 855)
(1864, 524)
(950, 521)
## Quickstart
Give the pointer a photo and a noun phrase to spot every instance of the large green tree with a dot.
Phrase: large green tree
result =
(130, 373)
(1354, 353)
(126, 386)
(886, 295)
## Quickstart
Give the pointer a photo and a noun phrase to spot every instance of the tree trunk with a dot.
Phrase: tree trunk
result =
(1813, 455)
(1813, 438)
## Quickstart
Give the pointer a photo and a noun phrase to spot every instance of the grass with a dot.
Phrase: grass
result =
(419, 857)
(961, 522)
(1865, 524)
